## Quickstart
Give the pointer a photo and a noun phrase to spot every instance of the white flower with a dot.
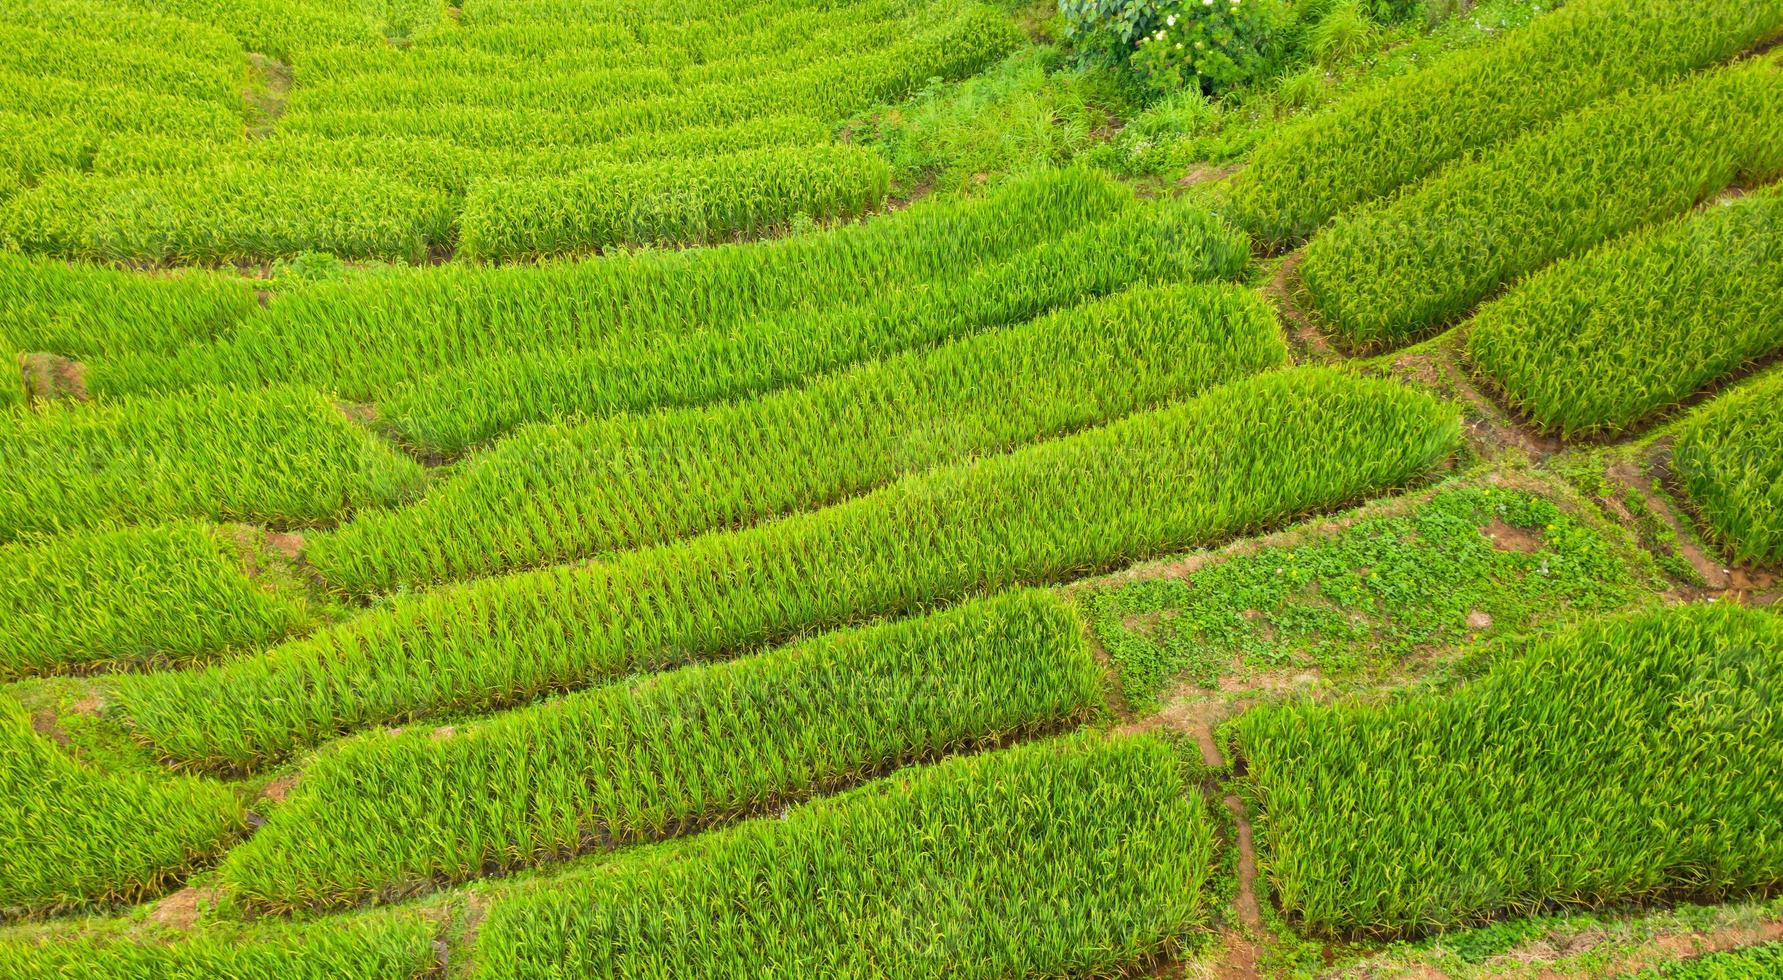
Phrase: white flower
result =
(1179, 45)
(1170, 20)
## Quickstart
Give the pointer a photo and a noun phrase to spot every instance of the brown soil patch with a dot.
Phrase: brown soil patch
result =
(363, 413)
(1547, 952)
(1506, 537)
(1477, 620)
(280, 788)
(1629, 476)
(1204, 173)
(287, 544)
(1245, 904)
(43, 722)
(269, 83)
(91, 703)
(442, 733)
(181, 909)
(1308, 342)
(52, 376)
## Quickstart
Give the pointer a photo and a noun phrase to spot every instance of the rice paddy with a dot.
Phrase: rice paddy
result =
(890, 488)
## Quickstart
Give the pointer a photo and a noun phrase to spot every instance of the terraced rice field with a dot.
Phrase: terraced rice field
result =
(891, 488)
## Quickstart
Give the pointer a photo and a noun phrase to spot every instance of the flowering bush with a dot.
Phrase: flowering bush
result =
(1171, 45)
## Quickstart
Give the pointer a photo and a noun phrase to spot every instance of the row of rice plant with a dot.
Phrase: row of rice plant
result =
(1238, 458)
(422, 320)
(282, 29)
(1628, 759)
(98, 106)
(381, 816)
(227, 213)
(1597, 344)
(54, 47)
(462, 407)
(674, 202)
(88, 310)
(1386, 275)
(282, 456)
(1729, 457)
(134, 597)
(71, 836)
(377, 947)
(1392, 134)
(1084, 856)
(557, 492)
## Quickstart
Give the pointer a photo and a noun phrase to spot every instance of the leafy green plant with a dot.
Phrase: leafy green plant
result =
(1729, 456)
(1172, 45)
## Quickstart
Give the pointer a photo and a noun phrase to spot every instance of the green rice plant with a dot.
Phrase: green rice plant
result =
(1390, 274)
(585, 88)
(62, 53)
(105, 22)
(1627, 759)
(422, 320)
(1394, 133)
(1729, 457)
(117, 109)
(32, 146)
(1240, 457)
(136, 596)
(87, 310)
(226, 213)
(1084, 856)
(673, 202)
(71, 836)
(554, 493)
(461, 407)
(277, 455)
(381, 816)
(282, 29)
(380, 947)
(1597, 344)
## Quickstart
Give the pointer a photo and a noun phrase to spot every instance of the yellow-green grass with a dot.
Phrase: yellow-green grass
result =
(282, 456)
(382, 816)
(382, 947)
(554, 493)
(1597, 344)
(134, 597)
(1631, 758)
(1387, 275)
(1393, 134)
(1729, 458)
(283, 29)
(423, 320)
(1233, 460)
(672, 202)
(1750, 963)
(71, 836)
(464, 406)
(1079, 857)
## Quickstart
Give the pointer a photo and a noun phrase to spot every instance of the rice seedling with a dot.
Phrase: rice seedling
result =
(461, 407)
(1729, 457)
(134, 597)
(1597, 344)
(87, 310)
(118, 109)
(60, 52)
(284, 29)
(381, 816)
(1239, 457)
(1392, 134)
(283, 456)
(381, 947)
(227, 213)
(1082, 856)
(71, 836)
(677, 202)
(32, 146)
(425, 319)
(553, 493)
(1387, 275)
(1630, 758)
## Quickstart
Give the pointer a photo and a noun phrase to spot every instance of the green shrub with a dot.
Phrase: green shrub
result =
(1729, 455)
(133, 597)
(71, 837)
(1240, 457)
(1597, 344)
(1392, 134)
(382, 815)
(1083, 856)
(1389, 274)
(1630, 758)
(554, 493)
